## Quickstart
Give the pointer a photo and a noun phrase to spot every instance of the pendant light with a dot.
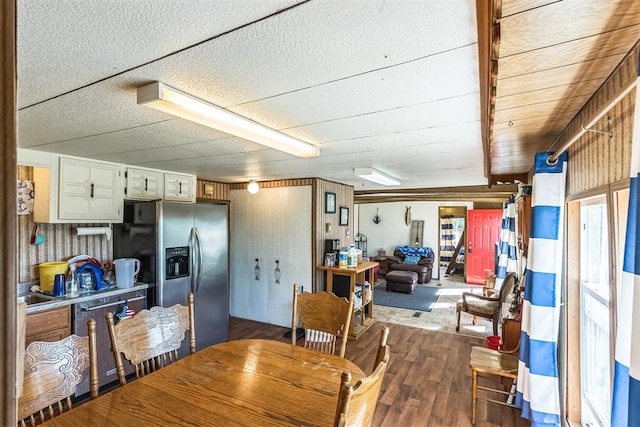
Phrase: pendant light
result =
(253, 187)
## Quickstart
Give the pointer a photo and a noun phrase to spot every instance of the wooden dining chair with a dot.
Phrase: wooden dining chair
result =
(356, 404)
(324, 318)
(151, 338)
(52, 370)
(384, 335)
(496, 366)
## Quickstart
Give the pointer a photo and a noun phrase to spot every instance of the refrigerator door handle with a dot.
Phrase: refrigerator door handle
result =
(200, 265)
(192, 258)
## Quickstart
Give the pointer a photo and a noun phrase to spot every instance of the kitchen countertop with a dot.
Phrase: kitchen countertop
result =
(63, 301)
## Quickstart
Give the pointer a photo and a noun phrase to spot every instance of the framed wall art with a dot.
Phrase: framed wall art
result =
(344, 215)
(329, 202)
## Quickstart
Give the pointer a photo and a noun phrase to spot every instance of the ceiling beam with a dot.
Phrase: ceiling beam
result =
(488, 13)
(508, 178)
(476, 193)
(509, 188)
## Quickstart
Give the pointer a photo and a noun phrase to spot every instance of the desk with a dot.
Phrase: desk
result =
(239, 383)
(355, 275)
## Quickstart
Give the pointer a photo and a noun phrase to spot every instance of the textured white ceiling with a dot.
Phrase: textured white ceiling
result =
(387, 84)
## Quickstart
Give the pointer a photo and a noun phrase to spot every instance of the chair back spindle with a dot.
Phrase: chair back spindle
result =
(384, 335)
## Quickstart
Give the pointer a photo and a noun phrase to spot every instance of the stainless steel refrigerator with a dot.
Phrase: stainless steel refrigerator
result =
(182, 248)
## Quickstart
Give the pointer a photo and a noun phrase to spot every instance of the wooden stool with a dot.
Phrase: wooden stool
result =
(492, 362)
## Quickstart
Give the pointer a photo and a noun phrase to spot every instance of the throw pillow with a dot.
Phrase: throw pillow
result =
(411, 259)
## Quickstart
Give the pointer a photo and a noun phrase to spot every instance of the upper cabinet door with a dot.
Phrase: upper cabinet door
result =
(180, 187)
(144, 184)
(89, 191)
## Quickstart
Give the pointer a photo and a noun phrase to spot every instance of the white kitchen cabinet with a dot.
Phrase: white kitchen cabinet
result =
(144, 184)
(77, 190)
(180, 187)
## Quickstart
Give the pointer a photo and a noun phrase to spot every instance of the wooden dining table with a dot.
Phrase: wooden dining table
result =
(251, 382)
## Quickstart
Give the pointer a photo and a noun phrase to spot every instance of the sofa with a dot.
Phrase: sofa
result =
(416, 259)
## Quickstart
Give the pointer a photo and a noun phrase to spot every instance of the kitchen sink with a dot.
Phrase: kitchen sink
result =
(33, 298)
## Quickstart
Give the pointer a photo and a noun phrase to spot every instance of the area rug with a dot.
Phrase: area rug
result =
(422, 299)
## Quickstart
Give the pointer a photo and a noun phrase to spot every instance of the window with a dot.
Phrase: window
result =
(595, 363)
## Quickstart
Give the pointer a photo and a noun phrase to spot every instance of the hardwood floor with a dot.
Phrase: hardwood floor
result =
(428, 382)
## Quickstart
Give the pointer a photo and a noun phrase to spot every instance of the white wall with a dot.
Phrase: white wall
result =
(274, 224)
(392, 230)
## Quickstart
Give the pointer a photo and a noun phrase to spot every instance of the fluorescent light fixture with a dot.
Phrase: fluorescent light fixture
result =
(253, 187)
(173, 101)
(376, 176)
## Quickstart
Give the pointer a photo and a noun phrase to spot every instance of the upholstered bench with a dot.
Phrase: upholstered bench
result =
(401, 281)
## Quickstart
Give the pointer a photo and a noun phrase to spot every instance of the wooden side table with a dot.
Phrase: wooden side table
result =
(355, 275)
(384, 265)
(510, 333)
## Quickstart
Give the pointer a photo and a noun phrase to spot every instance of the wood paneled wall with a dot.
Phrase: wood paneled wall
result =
(344, 198)
(210, 190)
(597, 160)
(275, 184)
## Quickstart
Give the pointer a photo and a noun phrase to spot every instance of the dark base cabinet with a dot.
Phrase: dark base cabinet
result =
(97, 309)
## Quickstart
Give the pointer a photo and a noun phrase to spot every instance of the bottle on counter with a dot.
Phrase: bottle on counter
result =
(352, 256)
(73, 286)
(342, 259)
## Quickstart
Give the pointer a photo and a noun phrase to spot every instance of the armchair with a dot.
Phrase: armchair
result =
(423, 268)
(488, 307)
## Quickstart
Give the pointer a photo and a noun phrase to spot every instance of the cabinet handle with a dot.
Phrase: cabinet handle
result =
(146, 184)
(92, 187)
(180, 188)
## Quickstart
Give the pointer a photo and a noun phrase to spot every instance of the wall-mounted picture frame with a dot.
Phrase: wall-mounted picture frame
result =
(344, 215)
(329, 202)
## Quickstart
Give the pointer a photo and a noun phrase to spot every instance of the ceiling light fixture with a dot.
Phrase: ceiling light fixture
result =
(173, 101)
(253, 187)
(376, 176)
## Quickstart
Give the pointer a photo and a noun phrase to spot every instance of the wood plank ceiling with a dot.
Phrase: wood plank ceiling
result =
(543, 60)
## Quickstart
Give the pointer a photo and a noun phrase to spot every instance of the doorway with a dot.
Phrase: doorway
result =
(483, 228)
(452, 225)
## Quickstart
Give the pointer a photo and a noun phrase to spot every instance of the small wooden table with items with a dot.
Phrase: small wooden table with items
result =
(355, 276)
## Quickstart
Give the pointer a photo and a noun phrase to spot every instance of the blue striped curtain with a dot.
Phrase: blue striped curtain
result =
(447, 245)
(508, 251)
(538, 393)
(625, 406)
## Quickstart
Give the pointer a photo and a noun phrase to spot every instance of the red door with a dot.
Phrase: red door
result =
(483, 231)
